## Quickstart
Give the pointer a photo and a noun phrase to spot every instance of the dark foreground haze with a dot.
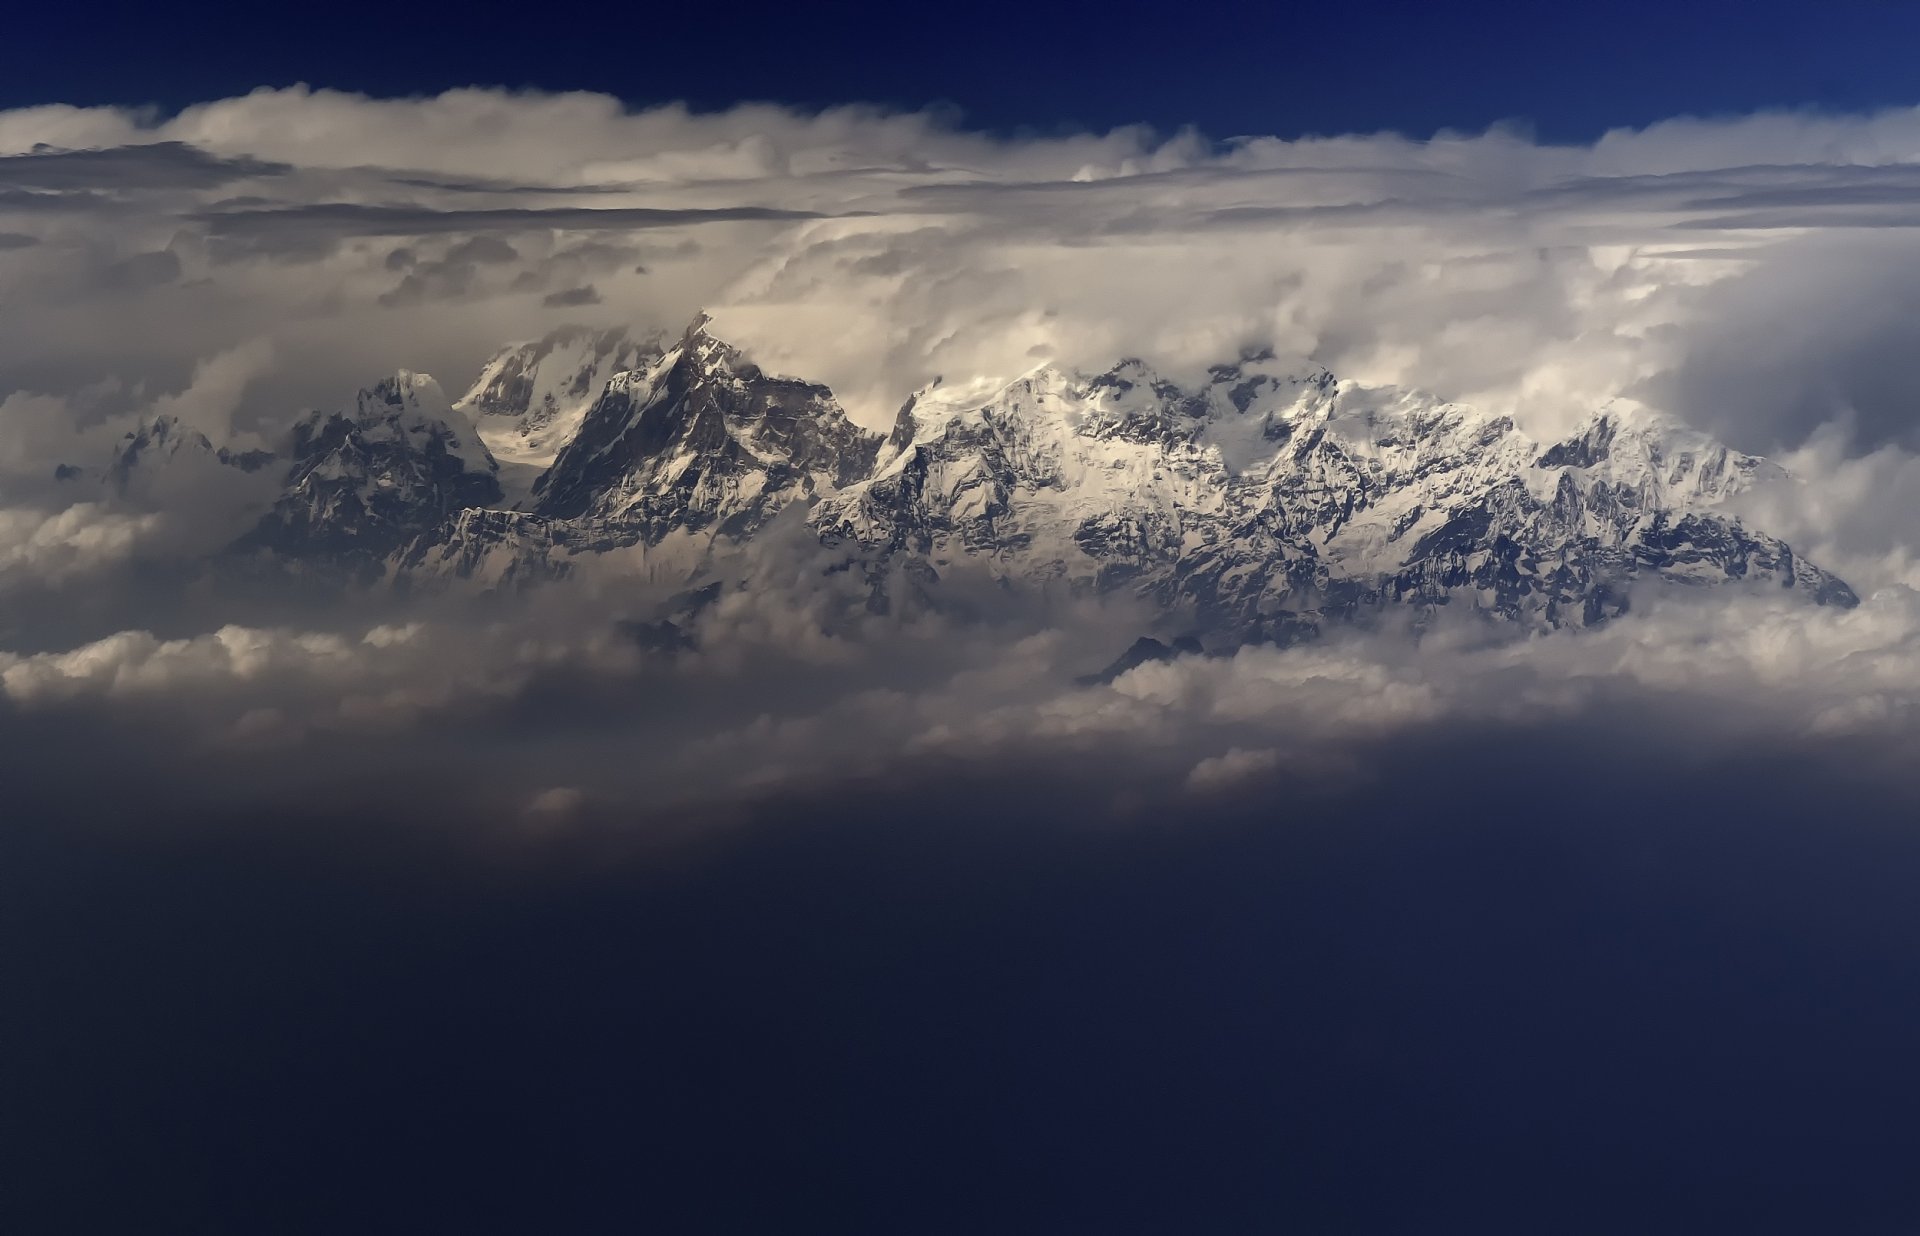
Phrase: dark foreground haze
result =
(1570, 980)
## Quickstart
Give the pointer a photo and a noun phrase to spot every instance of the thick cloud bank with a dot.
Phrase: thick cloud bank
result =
(243, 260)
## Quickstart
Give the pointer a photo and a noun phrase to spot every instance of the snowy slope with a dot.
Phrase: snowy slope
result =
(530, 398)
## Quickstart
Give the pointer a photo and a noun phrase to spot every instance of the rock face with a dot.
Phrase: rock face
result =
(1260, 504)
(364, 482)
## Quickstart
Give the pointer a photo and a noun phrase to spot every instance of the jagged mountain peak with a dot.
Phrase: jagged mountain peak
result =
(1667, 462)
(400, 392)
(697, 335)
(1241, 410)
(404, 408)
(702, 349)
(164, 431)
(704, 441)
(363, 481)
(162, 437)
(163, 453)
(406, 383)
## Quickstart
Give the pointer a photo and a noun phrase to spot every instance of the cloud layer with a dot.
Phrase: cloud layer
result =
(876, 250)
(247, 258)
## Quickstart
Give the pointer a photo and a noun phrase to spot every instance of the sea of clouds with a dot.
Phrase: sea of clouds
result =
(245, 259)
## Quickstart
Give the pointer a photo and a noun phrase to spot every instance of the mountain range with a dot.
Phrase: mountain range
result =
(1261, 504)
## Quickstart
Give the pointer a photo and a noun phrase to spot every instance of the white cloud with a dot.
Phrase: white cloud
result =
(1487, 266)
(83, 539)
(1231, 768)
(1749, 273)
(577, 705)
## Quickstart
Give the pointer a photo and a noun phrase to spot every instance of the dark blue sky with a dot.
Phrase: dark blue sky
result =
(1572, 70)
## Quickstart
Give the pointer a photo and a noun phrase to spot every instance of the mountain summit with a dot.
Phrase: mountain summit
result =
(702, 438)
(362, 482)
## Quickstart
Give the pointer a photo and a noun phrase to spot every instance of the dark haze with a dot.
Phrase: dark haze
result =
(1569, 980)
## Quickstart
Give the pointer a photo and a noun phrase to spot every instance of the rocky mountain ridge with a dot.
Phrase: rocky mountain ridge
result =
(1261, 504)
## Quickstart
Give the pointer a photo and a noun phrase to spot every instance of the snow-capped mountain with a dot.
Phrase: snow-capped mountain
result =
(1260, 504)
(164, 450)
(1269, 502)
(363, 482)
(529, 399)
(698, 449)
(700, 440)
